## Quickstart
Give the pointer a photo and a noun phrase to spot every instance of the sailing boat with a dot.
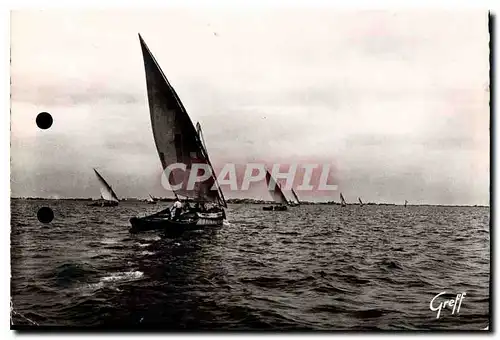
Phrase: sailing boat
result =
(297, 201)
(276, 194)
(178, 141)
(342, 200)
(406, 202)
(108, 196)
(151, 199)
(360, 202)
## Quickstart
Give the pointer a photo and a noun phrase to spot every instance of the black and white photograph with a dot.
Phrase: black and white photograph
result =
(221, 169)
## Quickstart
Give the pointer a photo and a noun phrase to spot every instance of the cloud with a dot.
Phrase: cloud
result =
(396, 100)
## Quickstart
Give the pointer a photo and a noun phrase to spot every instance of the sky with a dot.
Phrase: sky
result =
(396, 102)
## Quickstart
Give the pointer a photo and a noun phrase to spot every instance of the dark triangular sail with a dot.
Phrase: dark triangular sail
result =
(175, 136)
(295, 196)
(107, 192)
(275, 189)
(360, 201)
(342, 200)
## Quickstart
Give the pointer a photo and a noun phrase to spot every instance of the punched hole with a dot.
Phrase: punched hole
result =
(45, 215)
(44, 120)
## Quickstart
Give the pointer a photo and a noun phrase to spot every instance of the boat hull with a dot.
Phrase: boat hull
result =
(187, 222)
(275, 208)
(210, 219)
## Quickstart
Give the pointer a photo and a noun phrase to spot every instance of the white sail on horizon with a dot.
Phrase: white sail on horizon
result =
(275, 189)
(107, 192)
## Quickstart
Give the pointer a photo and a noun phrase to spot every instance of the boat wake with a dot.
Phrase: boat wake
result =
(109, 241)
(109, 282)
(123, 276)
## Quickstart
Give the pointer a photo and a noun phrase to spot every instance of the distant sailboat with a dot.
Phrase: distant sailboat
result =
(151, 200)
(342, 200)
(297, 201)
(360, 201)
(406, 202)
(276, 194)
(108, 196)
(178, 141)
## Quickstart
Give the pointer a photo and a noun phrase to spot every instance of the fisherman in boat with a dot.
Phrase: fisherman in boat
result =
(200, 207)
(176, 209)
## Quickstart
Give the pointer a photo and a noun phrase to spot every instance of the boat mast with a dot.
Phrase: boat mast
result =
(222, 200)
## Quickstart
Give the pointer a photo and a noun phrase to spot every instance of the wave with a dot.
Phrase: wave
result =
(330, 308)
(123, 276)
(370, 313)
(68, 273)
(391, 264)
(109, 241)
(150, 238)
(276, 282)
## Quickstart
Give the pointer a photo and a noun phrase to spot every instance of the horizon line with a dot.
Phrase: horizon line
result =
(262, 200)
